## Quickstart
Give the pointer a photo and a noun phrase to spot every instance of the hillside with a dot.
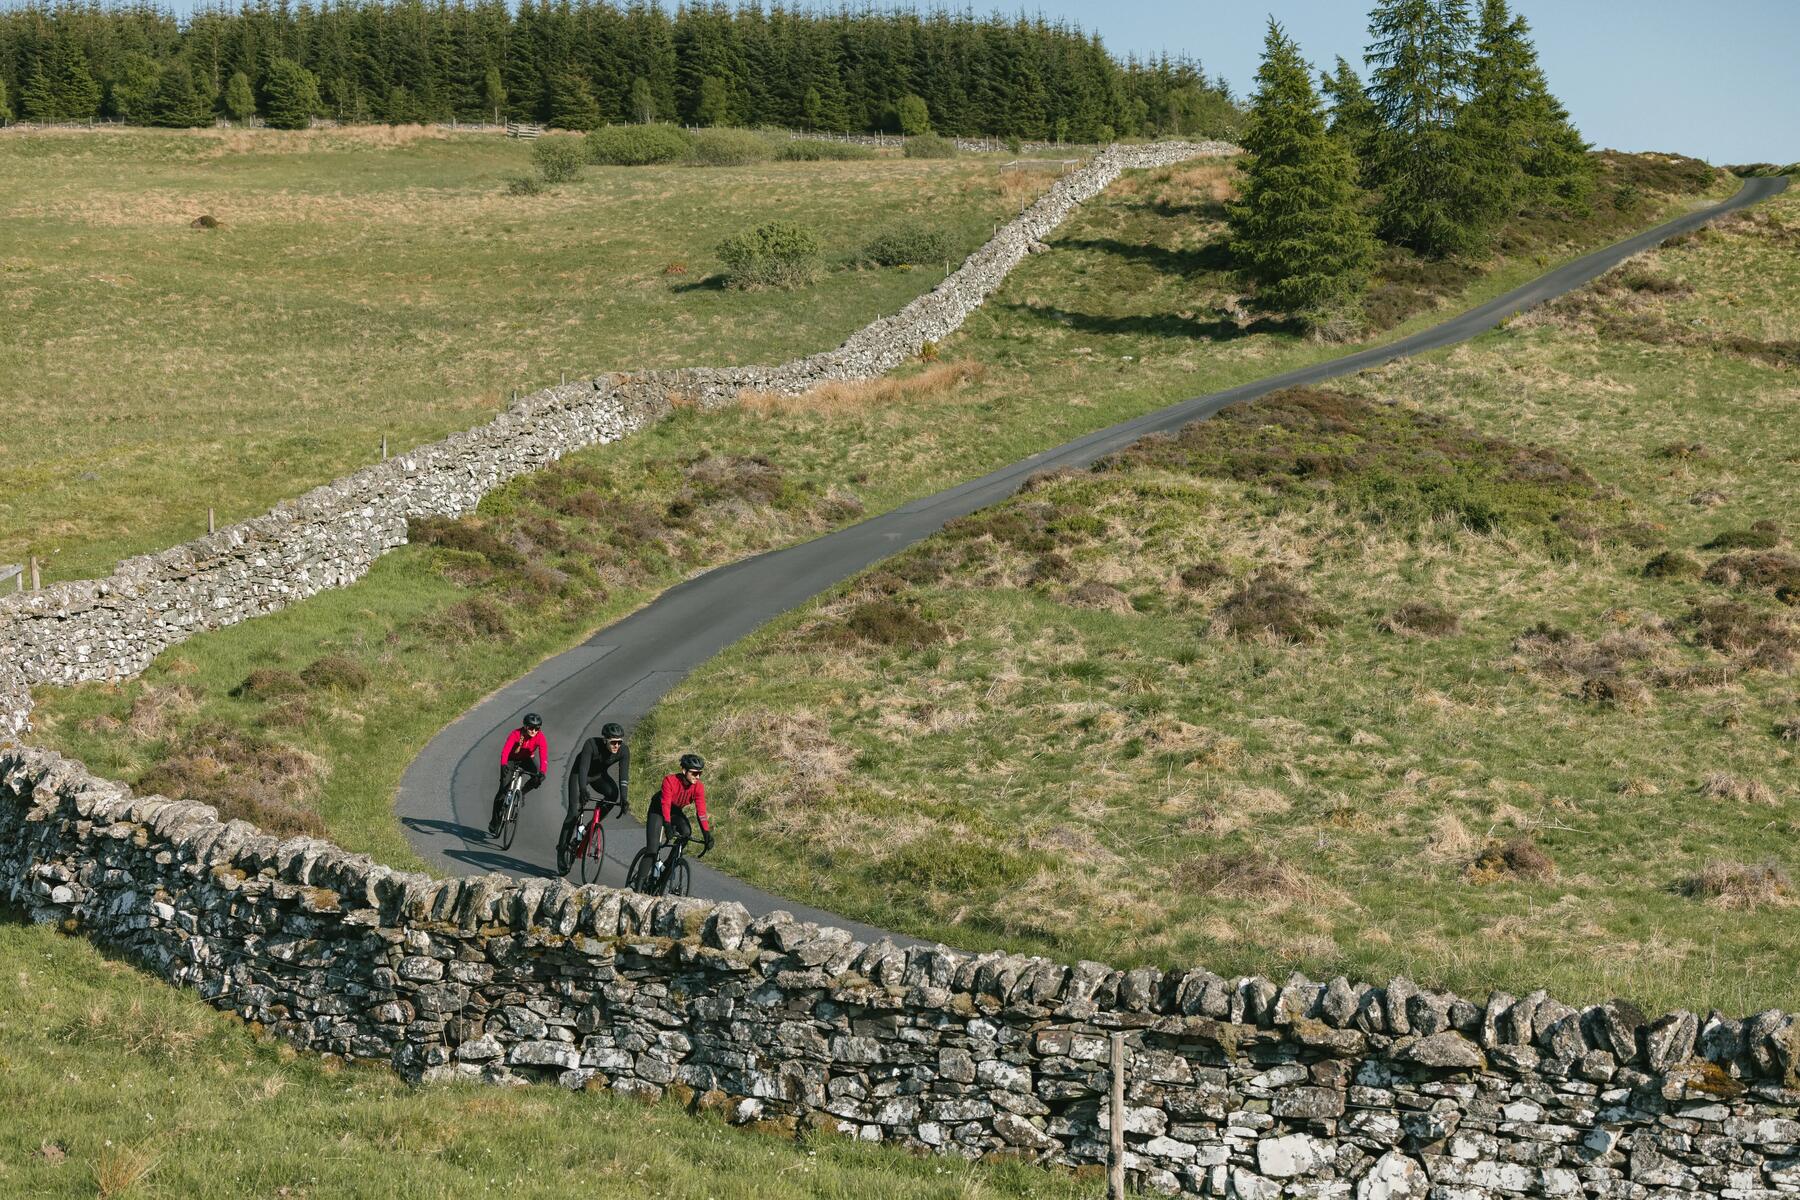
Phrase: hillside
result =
(1477, 669)
(375, 283)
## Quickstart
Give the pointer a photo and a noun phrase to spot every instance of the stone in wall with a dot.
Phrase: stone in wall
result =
(1236, 1087)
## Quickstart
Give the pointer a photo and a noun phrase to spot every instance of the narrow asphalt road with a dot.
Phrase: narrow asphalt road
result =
(624, 670)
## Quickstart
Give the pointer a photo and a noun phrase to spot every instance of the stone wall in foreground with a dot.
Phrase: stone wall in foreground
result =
(111, 628)
(1237, 1087)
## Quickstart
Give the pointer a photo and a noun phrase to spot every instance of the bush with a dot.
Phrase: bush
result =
(637, 145)
(778, 254)
(729, 148)
(815, 150)
(930, 145)
(1270, 607)
(557, 159)
(1519, 857)
(1672, 564)
(908, 243)
(334, 672)
(524, 185)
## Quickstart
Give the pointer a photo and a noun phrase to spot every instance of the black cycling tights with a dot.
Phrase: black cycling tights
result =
(653, 826)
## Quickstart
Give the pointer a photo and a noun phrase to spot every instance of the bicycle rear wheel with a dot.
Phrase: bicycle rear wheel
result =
(679, 880)
(592, 854)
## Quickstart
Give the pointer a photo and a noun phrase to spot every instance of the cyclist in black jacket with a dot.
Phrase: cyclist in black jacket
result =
(601, 772)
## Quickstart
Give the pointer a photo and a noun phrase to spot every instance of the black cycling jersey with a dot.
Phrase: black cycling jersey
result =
(593, 771)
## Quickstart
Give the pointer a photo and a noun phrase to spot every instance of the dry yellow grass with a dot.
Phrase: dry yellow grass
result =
(840, 398)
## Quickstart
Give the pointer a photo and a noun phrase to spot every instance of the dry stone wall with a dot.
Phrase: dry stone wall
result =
(111, 628)
(1236, 1087)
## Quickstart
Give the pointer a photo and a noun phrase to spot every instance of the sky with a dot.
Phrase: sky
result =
(1718, 79)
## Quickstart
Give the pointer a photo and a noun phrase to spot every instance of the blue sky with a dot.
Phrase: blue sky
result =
(1718, 79)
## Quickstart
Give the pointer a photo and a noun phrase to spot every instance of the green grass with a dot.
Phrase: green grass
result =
(116, 1085)
(1177, 710)
(373, 283)
(1075, 341)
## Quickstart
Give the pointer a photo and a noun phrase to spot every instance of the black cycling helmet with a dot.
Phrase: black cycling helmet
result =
(692, 762)
(533, 721)
(611, 730)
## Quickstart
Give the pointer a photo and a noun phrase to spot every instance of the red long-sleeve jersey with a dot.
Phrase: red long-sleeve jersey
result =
(535, 743)
(677, 792)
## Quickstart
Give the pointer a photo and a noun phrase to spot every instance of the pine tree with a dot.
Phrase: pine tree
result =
(1423, 167)
(1299, 234)
(293, 95)
(1531, 155)
(572, 103)
(1354, 120)
(5, 108)
(240, 101)
(132, 92)
(38, 99)
(177, 104)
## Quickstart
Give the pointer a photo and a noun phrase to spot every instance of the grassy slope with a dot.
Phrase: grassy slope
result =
(117, 1086)
(1077, 756)
(370, 283)
(1040, 373)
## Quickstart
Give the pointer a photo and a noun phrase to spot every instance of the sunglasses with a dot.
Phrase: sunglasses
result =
(692, 772)
(615, 741)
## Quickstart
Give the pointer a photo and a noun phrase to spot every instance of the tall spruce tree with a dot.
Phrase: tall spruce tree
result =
(178, 105)
(1299, 234)
(293, 95)
(1524, 142)
(572, 103)
(5, 108)
(1424, 168)
(1354, 120)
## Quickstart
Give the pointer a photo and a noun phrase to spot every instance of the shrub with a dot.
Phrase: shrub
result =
(778, 254)
(1778, 573)
(268, 683)
(293, 95)
(637, 145)
(1518, 857)
(468, 620)
(465, 535)
(204, 221)
(557, 159)
(1739, 885)
(817, 150)
(1672, 564)
(524, 185)
(930, 145)
(888, 622)
(1764, 535)
(909, 242)
(1422, 617)
(1271, 607)
(243, 775)
(729, 148)
(335, 672)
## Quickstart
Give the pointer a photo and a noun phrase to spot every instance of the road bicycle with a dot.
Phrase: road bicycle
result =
(510, 805)
(585, 848)
(668, 873)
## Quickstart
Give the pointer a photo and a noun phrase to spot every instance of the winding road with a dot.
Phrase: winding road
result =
(624, 670)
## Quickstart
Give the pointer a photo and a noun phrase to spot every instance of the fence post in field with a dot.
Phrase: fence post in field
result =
(212, 524)
(384, 447)
(1115, 1163)
(37, 584)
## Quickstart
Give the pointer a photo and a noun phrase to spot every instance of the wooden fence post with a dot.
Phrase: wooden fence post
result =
(384, 447)
(212, 524)
(37, 584)
(1115, 1166)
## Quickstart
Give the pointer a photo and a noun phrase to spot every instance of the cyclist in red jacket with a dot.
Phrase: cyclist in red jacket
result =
(669, 809)
(527, 749)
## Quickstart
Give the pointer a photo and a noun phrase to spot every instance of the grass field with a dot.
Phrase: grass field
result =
(118, 1086)
(1479, 669)
(306, 718)
(374, 282)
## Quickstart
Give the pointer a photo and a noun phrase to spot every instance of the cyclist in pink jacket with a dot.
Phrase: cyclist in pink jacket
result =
(528, 750)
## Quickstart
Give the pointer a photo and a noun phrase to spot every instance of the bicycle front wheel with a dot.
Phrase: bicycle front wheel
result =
(634, 874)
(592, 853)
(679, 880)
(509, 825)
